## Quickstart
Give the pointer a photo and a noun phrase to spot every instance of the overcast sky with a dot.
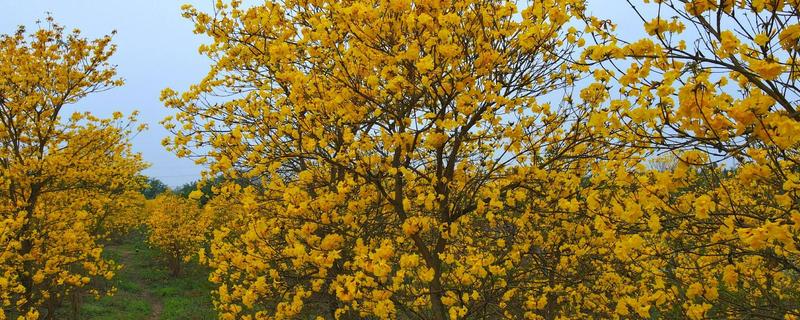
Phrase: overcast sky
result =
(156, 49)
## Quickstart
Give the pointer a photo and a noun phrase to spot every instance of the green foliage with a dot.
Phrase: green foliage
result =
(206, 188)
(153, 187)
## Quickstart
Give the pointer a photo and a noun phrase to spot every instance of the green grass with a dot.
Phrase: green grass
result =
(145, 289)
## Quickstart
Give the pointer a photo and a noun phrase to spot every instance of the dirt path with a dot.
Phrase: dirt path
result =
(156, 306)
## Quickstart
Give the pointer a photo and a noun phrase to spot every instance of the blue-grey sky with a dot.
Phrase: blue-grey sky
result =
(157, 49)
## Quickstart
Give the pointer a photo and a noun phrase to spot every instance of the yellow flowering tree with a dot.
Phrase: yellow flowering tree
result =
(123, 212)
(177, 227)
(403, 161)
(714, 84)
(56, 172)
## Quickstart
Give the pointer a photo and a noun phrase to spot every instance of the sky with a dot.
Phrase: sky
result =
(155, 49)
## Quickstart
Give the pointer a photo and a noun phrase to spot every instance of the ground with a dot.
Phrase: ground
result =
(145, 289)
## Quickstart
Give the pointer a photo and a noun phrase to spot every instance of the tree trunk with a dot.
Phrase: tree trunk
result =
(175, 266)
(439, 310)
(76, 305)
